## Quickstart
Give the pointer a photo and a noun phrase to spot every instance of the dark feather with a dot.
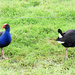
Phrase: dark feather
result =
(59, 31)
(68, 38)
(1, 33)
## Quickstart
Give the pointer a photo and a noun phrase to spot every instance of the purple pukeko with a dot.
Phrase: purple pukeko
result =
(5, 38)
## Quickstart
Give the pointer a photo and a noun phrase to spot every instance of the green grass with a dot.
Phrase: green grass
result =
(34, 25)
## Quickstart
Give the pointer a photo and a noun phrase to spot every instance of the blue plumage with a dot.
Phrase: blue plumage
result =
(5, 38)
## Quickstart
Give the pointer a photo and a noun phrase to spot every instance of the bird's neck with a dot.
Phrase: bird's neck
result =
(7, 30)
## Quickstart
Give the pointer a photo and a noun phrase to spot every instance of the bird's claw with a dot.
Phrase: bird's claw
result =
(3, 57)
(66, 58)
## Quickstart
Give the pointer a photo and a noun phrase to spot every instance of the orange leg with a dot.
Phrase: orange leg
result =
(3, 57)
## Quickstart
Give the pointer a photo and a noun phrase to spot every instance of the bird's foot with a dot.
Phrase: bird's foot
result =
(66, 58)
(4, 58)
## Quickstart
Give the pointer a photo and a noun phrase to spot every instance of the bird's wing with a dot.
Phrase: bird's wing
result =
(1, 33)
(69, 36)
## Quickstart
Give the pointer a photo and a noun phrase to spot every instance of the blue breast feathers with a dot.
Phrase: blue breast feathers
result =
(5, 38)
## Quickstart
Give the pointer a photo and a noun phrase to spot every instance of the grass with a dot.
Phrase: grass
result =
(34, 25)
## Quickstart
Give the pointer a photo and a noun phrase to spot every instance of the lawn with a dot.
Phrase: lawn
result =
(34, 25)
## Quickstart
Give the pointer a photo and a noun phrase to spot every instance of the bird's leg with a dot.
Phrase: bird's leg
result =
(66, 54)
(3, 57)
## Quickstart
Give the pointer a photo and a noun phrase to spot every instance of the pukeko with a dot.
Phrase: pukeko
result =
(67, 39)
(5, 38)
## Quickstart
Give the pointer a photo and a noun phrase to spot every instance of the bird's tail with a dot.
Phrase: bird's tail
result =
(59, 31)
(60, 38)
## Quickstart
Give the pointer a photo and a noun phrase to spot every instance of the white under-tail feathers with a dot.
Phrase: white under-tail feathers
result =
(60, 36)
(60, 42)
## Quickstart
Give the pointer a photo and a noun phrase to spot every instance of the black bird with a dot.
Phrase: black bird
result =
(67, 39)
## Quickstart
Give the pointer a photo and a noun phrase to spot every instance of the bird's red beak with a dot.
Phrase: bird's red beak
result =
(4, 25)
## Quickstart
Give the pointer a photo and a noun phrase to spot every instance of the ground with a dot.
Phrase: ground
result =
(34, 26)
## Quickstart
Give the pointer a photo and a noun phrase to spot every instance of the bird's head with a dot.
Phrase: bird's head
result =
(6, 26)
